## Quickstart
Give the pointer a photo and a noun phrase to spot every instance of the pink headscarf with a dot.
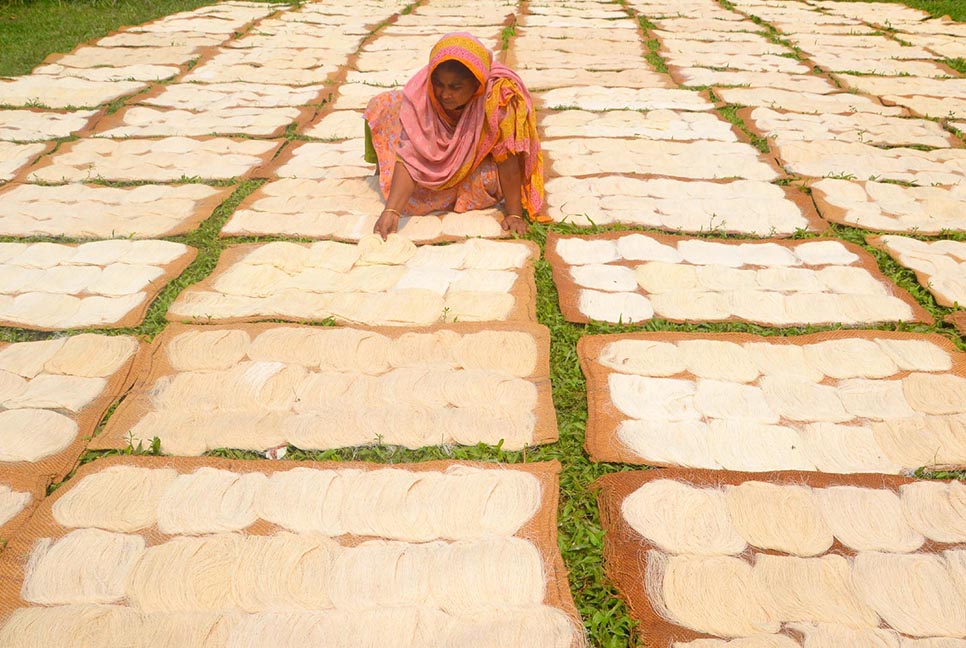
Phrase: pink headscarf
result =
(436, 153)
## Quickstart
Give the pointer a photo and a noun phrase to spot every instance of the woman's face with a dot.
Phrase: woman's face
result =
(453, 91)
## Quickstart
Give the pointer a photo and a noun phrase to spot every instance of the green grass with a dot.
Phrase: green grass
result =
(955, 9)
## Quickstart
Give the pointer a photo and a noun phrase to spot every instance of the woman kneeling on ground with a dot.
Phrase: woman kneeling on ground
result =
(461, 135)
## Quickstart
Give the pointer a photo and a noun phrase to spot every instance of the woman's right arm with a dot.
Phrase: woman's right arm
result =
(400, 190)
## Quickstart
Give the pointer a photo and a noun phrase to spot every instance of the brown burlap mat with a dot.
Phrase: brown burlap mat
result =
(603, 418)
(137, 404)
(924, 279)
(69, 146)
(524, 290)
(745, 114)
(36, 476)
(201, 211)
(23, 483)
(249, 201)
(625, 550)
(794, 194)
(135, 316)
(116, 120)
(569, 291)
(541, 530)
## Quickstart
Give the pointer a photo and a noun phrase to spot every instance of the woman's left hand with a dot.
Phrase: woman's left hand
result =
(515, 225)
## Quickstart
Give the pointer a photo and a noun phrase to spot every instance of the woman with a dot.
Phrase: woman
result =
(461, 135)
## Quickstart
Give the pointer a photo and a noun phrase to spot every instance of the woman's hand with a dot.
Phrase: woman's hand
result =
(387, 224)
(515, 224)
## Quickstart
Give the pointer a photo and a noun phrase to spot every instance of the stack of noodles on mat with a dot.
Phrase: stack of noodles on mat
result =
(260, 387)
(833, 402)
(456, 556)
(103, 283)
(376, 282)
(620, 277)
(873, 561)
(46, 386)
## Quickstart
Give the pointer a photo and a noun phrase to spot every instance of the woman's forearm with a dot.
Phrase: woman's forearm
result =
(401, 188)
(400, 191)
(511, 178)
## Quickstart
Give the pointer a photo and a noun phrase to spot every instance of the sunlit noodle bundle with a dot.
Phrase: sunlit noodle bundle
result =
(680, 518)
(811, 589)
(71, 625)
(85, 566)
(207, 350)
(780, 517)
(118, 498)
(908, 593)
(462, 502)
(711, 594)
(867, 519)
(210, 500)
(936, 509)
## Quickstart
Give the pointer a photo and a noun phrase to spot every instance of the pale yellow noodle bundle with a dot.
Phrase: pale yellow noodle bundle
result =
(11, 503)
(118, 498)
(680, 518)
(916, 355)
(248, 385)
(283, 571)
(462, 502)
(495, 389)
(850, 358)
(509, 351)
(186, 629)
(32, 434)
(823, 635)
(643, 357)
(922, 440)
(473, 502)
(711, 594)
(653, 399)
(874, 399)
(908, 593)
(682, 443)
(935, 393)
(472, 425)
(956, 563)
(348, 349)
(383, 574)
(471, 576)
(718, 360)
(818, 590)
(936, 509)
(782, 359)
(534, 627)
(779, 517)
(27, 359)
(935, 642)
(305, 500)
(289, 344)
(799, 399)
(757, 641)
(845, 449)
(186, 575)
(210, 500)
(755, 447)
(92, 355)
(867, 519)
(85, 566)
(425, 349)
(104, 626)
(207, 350)
(401, 627)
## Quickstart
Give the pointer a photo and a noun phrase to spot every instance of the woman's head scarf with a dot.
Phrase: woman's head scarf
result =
(498, 120)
